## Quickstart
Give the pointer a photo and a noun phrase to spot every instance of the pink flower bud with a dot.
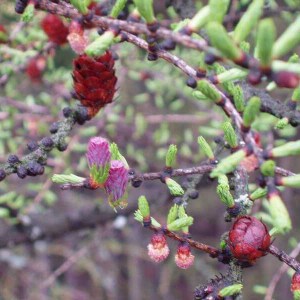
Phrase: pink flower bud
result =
(98, 152)
(184, 258)
(117, 181)
(158, 249)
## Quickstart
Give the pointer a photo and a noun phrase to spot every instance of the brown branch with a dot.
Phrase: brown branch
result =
(278, 274)
(203, 169)
(282, 256)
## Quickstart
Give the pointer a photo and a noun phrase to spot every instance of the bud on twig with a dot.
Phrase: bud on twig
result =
(230, 135)
(144, 208)
(231, 290)
(223, 190)
(171, 156)
(206, 148)
(209, 91)
(174, 187)
(238, 98)
(251, 111)
(267, 168)
(173, 214)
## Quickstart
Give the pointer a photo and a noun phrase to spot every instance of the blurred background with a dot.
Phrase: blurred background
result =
(153, 108)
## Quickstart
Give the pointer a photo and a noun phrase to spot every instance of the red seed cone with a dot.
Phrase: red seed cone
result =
(249, 239)
(55, 29)
(94, 81)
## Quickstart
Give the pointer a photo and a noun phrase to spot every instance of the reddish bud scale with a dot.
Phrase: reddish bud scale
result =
(249, 239)
(55, 29)
(286, 79)
(295, 285)
(94, 185)
(35, 68)
(94, 81)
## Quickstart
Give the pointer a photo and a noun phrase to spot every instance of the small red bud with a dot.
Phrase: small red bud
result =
(295, 285)
(254, 77)
(158, 249)
(35, 68)
(184, 258)
(249, 239)
(286, 79)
